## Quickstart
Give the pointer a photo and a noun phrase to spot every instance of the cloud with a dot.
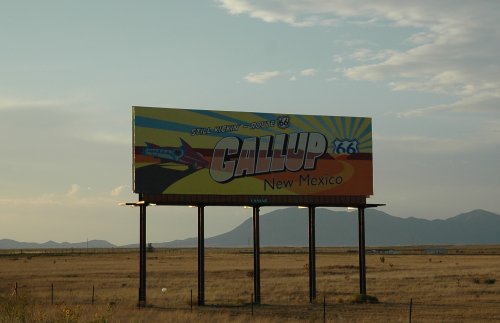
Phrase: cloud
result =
(120, 139)
(73, 190)
(42, 200)
(422, 38)
(483, 101)
(21, 103)
(118, 190)
(309, 72)
(366, 54)
(474, 142)
(454, 49)
(338, 59)
(261, 77)
(424, 144)
(70, 199)
(275, 11)
(58, 120)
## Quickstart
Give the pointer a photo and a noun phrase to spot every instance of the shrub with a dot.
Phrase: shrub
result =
(15, 309)
(69, 313)
(360, 298)
(487, 281)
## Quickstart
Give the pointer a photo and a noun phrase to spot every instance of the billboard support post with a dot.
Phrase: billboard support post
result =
(142, 254)
(256, 255)
(201, 255)
(361, 250)
(312, 254)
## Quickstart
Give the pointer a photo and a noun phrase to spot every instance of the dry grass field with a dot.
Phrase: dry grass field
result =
(460, 286)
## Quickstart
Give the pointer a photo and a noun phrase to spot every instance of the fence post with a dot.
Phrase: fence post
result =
(324, 308)
(93, 294)
(411, 305)
(52, 294)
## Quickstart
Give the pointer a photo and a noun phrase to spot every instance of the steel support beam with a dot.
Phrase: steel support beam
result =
(142, 255)
(256, 255)
(361, 250)
(312, 254)
(201, 255)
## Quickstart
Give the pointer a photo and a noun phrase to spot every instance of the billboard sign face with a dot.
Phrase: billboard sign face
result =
(207, 152)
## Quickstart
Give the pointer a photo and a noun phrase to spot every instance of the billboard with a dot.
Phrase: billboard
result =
(207, 152)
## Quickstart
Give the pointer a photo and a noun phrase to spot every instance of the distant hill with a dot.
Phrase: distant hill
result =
(12, 244)
(289, 227)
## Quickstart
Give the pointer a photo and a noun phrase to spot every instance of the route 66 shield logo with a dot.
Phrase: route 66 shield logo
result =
(345, 146)
(283, 122)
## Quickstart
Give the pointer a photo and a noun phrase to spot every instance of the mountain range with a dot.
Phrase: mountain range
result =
(289, 227)
(12, 244)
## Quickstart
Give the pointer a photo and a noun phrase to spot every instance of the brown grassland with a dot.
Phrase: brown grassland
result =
(460, 286)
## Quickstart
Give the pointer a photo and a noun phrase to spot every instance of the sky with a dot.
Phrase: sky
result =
(427, 72)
